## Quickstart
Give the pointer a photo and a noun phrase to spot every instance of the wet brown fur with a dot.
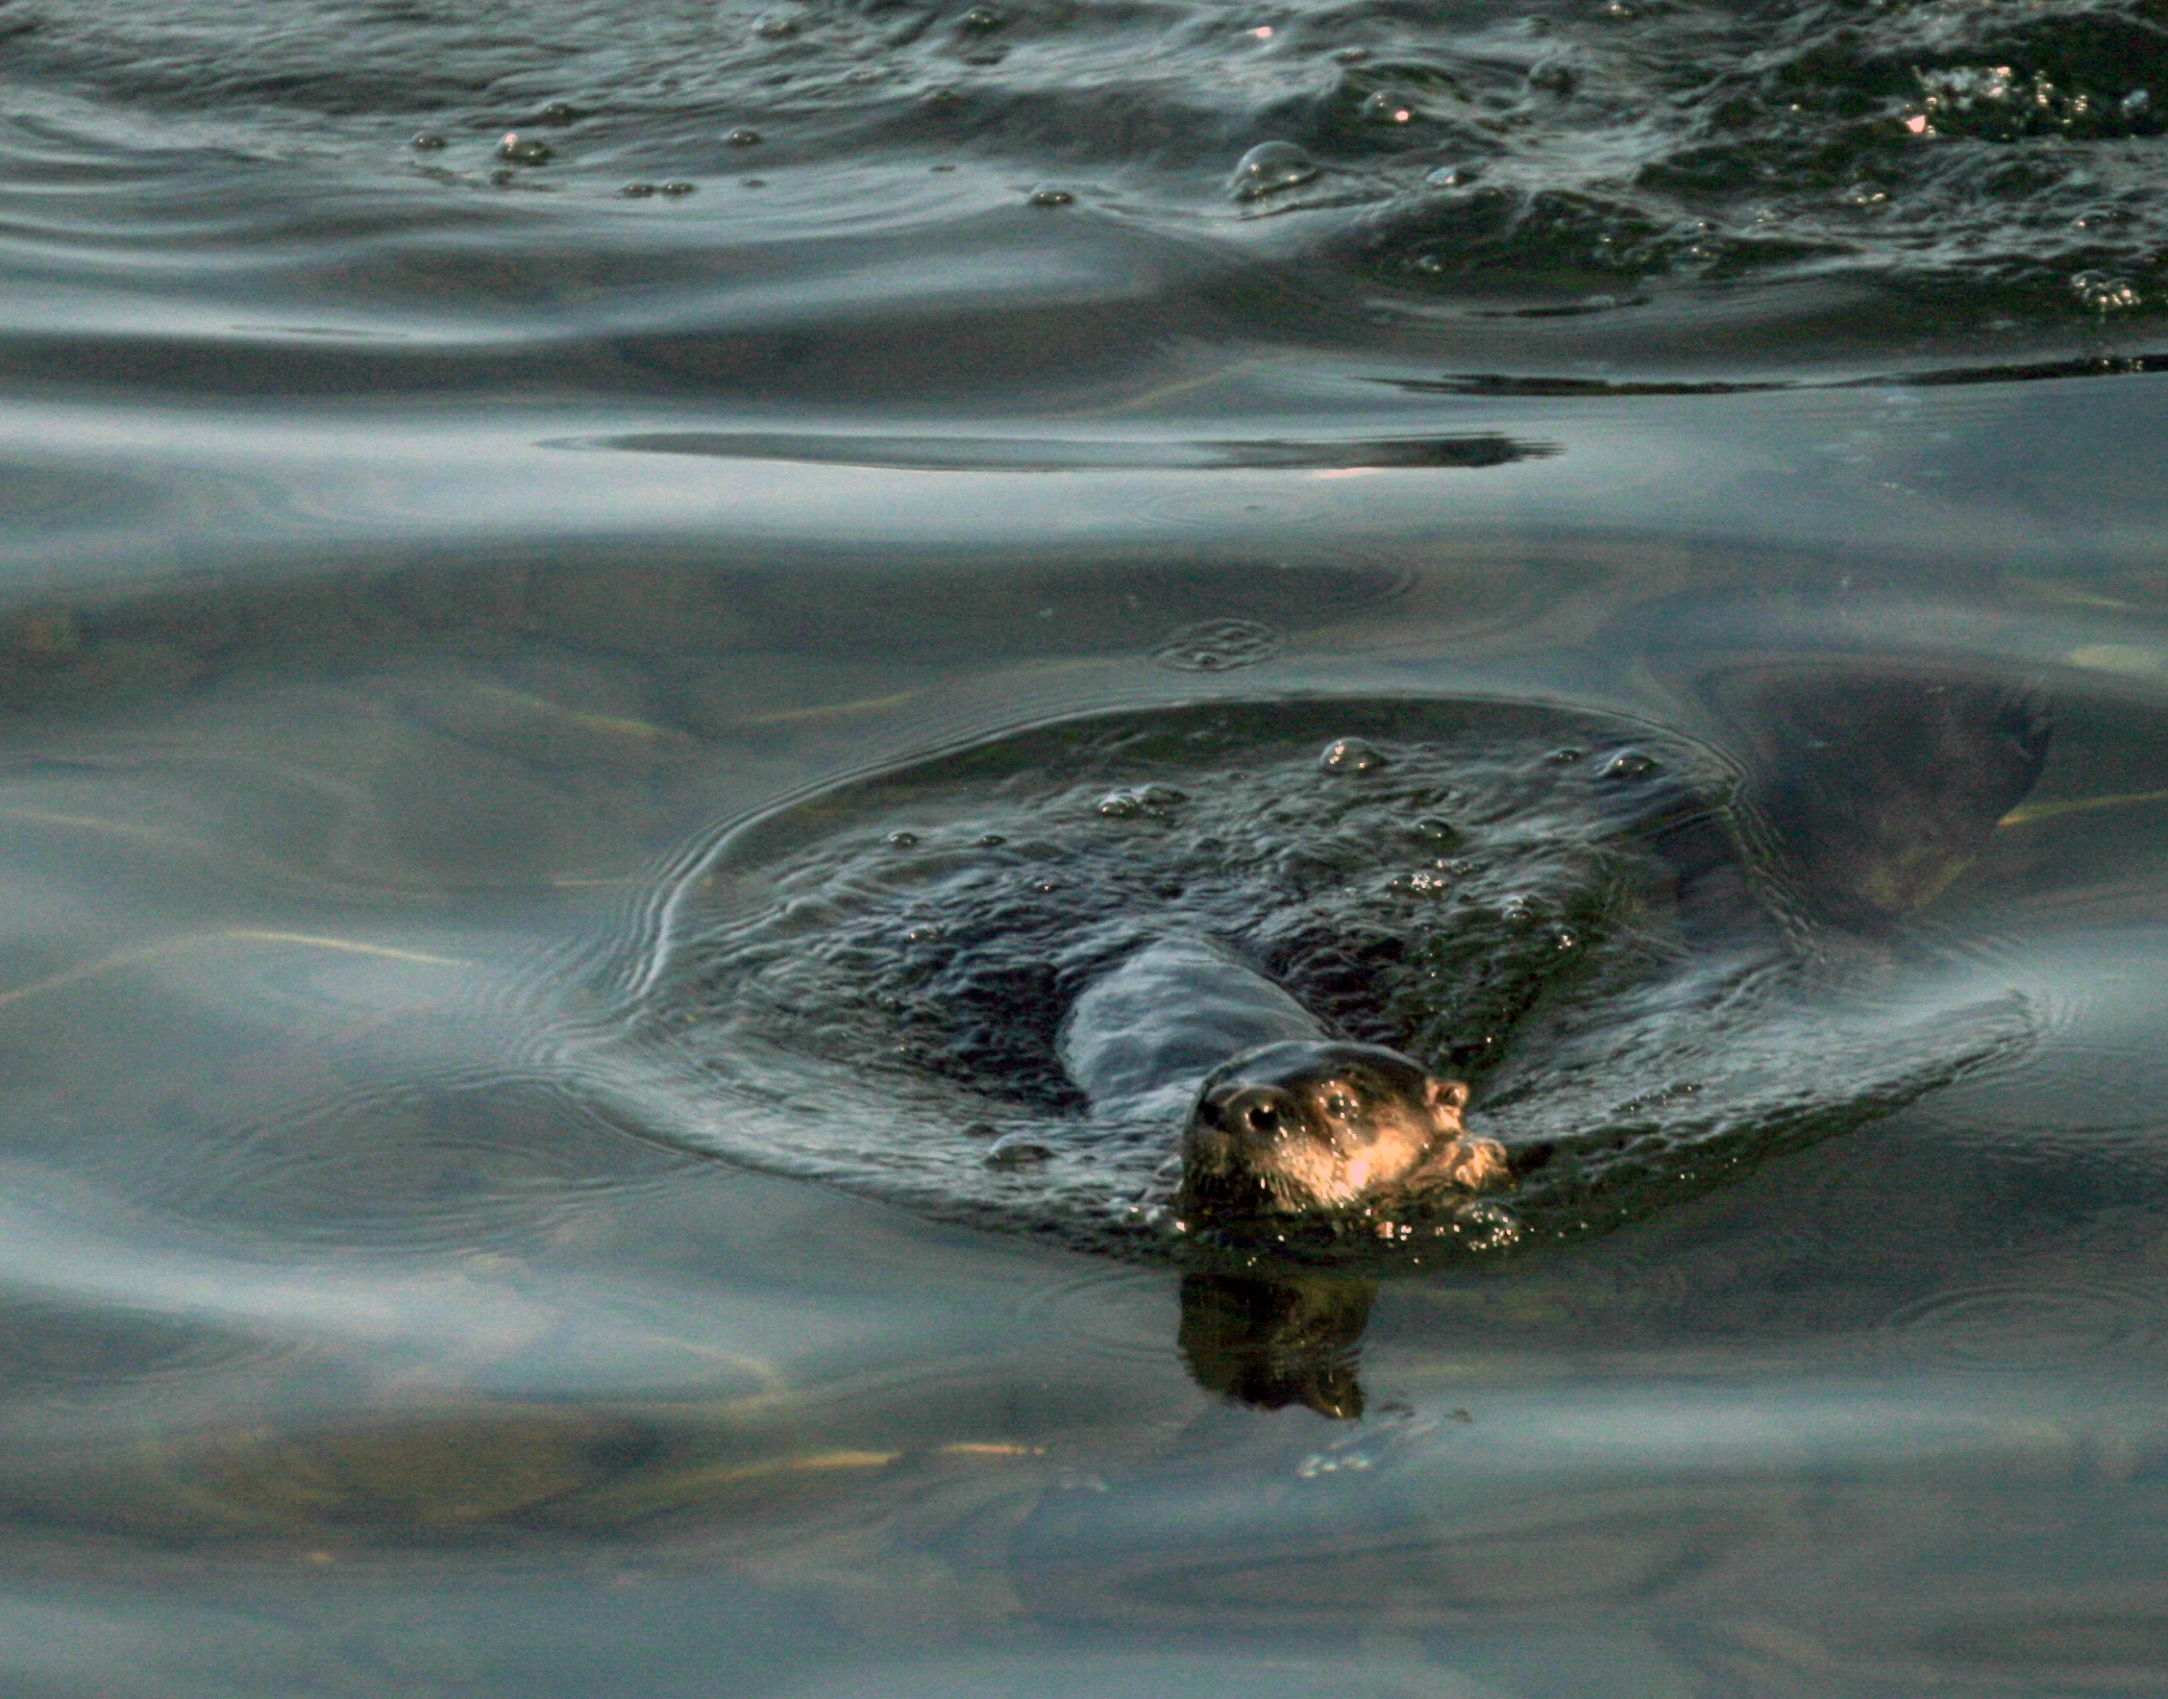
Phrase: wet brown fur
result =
(1309, 1125)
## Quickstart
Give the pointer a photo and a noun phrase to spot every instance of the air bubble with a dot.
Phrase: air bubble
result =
(776, 25)
(1268, 168)
(1432, 830)
(1050, 196)
(637, 191)
(1351, 755)
(429, 141)
(2104, 292)
(558, 113)
(1453, 176)
(743, 137)
(1487, 1226)
(524, 150)
(901, 840)
(677, 190)
(1018, 1150)
(1630, 764)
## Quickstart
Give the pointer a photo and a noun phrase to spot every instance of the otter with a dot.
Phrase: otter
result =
(1280, 1119)
(1279, 1116)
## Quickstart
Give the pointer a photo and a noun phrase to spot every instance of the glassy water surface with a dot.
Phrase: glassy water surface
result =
(503, 503)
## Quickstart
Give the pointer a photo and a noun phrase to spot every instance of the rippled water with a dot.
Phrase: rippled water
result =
(472, 471)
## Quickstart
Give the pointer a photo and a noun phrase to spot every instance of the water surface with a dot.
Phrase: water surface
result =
(422, 552)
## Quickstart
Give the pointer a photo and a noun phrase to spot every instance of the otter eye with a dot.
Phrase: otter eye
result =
(1263, 1118)
(1343, 1103)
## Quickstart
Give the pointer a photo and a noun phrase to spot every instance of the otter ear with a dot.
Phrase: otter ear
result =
(1445, 1099)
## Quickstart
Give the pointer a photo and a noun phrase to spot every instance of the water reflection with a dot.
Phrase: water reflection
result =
(1068, 454)
(375, 1318)
(1272, 1342)
(330, 1248)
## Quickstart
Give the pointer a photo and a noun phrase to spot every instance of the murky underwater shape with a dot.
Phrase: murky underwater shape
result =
(572, 572)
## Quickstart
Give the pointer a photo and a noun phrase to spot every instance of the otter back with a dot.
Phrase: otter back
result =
(1137, 1041)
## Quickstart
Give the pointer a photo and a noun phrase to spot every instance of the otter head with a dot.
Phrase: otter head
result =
(1310, 1125)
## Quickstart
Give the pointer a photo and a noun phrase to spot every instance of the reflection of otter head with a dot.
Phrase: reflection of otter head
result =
(1308, 1124)
(1272, 1342)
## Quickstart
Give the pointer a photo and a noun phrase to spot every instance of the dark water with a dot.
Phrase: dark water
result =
(425, 549)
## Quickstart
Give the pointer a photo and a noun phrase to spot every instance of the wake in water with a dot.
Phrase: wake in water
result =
(867, 987)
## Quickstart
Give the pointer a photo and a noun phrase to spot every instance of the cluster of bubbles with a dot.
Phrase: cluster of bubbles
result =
(2006, 158)
(2010, 160)
(525, 148)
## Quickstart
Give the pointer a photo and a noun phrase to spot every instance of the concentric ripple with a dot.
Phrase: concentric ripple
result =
(2015, 1327)
(397, 1171)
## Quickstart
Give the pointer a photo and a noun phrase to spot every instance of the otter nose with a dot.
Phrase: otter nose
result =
(1261, 1111)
